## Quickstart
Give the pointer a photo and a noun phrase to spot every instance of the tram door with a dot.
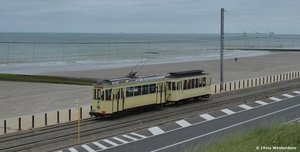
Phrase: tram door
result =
(119, 97)
(118, 100)
(160, 93)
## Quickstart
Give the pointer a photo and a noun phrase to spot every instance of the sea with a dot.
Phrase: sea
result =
(36, 53)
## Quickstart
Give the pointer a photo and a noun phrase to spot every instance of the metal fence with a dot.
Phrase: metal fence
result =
(235, 85)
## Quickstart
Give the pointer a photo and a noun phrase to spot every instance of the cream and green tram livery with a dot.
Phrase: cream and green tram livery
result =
(116, 96)
(186, 85)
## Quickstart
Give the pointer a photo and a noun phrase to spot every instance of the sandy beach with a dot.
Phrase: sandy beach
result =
(245, 67)
(22, 98)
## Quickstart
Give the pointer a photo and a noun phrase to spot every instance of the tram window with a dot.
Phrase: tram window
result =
(129, 91)
(145, 89)
(179, 85)
(97, 94)
(174, 86)
(137, 90)
(116, 94)
(200, 82)
(188, 84)
(95, 91)
(169, 85)
(101, 95)
(184, 84)
(197, 83)
(192, 83)
(108, 95)
(204, 81)
(152, 88)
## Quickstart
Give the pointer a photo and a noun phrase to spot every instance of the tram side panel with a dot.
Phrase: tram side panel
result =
(148, 94)
(139, 95)
(188, 87)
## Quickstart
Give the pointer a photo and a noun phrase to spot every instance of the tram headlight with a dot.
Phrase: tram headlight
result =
(98, 107)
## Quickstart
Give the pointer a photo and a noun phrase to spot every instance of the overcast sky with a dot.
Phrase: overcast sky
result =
(148, 16)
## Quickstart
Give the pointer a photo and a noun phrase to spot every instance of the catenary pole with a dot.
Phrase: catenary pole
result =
(221, 49)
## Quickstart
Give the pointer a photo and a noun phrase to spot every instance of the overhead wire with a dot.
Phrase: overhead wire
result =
(240, 19)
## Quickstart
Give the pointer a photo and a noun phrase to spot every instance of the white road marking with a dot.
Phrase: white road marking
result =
(275, 99)
(73, 149)
(297, 119)
(231, 126)
(261, 102)
(132, 138)
(298, 92)
(245, 106)
(288, 95)
(183, 123)
(89, 149)
(156, 130)
(99, 145)
(227, 111)
(207, 116)
(110, 142)
(142, 136)
(120, 140)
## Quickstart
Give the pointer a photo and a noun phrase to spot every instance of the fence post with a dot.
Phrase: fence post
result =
(234, 85)
(57, 116)
(32, 121)
(91, 109)
(293, 75)
(281, 77)
(80, 112)
(247, 83)
(230, 86)
(19, 123)
(69, 114)
(5, 126)
(215, 88)
(45, 119)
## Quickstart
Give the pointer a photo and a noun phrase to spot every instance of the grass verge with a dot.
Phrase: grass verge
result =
(46, 79)
(261, 139)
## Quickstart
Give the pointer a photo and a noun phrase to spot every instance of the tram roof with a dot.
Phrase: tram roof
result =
(186, 73)
(124, 80)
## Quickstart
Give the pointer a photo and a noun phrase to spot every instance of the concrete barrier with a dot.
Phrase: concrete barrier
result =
(65, 115)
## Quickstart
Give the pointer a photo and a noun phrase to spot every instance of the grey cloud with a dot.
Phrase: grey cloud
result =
(192, 16)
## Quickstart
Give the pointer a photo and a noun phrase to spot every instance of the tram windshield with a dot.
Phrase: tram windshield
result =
(98, 94)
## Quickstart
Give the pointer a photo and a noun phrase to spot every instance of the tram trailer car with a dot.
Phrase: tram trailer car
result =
(121, 95)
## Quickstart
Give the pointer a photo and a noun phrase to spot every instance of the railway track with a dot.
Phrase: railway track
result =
(104, 128)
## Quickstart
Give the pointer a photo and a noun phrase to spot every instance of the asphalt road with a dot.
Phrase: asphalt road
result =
(205, 132)
(190, 137)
